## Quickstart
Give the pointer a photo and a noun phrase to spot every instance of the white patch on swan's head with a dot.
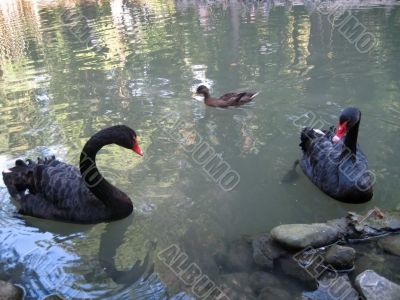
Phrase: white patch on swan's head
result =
(318, 131)
(6, 171)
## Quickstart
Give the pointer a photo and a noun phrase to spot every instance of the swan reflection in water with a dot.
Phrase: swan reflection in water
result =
(42, 257)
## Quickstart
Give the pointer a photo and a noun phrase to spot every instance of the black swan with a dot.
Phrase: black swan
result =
(51, 189)
(335, 163)
(229, 99)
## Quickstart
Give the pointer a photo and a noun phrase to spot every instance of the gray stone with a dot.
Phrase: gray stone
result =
(265, 250)
(10, 292)
(300, 236)
(340, 257)
(375, 287)
(391, 244)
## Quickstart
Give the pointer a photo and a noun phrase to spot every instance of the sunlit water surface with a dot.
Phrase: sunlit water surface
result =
(69, 69)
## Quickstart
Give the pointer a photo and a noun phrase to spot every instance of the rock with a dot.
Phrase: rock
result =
(236, 286)
(366, 261)
(265, 250)
(374, 223)
(386, 265)
(200, 245)
(391, 244)
(238, 258)
(10, 292)
(375, 287)
(293, 269)
(332, 286)
(341, 258)
(261, 280)
(300, 236)
(341, 225)
(274, 293)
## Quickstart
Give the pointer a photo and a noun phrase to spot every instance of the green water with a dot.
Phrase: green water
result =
(70, 69)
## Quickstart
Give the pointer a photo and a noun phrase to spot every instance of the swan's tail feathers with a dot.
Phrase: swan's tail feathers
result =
(49, 160)
(18, 178)
(306, 137)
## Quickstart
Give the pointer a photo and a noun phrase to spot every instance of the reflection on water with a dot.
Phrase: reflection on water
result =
(70, 68)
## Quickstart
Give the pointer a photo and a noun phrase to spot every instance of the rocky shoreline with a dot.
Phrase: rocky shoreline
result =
(332, 260)
(351, 258)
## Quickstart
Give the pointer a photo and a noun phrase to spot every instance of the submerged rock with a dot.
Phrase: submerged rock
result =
(300, 236)
(332, 286)
(391, 244)
(9, 291)
(236, 286)
(340, 257)
(375, 287)
(238, 257)
(200, 245)
(261, 280)
(294, 269)
(265, 250)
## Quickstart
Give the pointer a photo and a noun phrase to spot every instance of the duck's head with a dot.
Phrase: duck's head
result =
(348, 118)
(203, 90)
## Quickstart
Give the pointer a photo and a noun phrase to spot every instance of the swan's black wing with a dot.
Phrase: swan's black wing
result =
(319, 161)
(53, 190)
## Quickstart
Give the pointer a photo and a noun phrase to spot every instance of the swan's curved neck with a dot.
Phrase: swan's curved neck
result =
(111, 196)
(350, 140)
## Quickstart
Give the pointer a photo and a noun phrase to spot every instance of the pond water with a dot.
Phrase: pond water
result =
(68, 69)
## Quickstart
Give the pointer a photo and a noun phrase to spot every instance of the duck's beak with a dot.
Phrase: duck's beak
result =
(194, 94)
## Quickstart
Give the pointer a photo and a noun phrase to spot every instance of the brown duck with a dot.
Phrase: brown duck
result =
(228, 99)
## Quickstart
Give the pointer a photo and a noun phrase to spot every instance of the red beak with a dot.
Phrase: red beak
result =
(136, 148)
(340, 132)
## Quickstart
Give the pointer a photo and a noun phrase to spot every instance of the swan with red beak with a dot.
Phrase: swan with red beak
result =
(334, 162)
